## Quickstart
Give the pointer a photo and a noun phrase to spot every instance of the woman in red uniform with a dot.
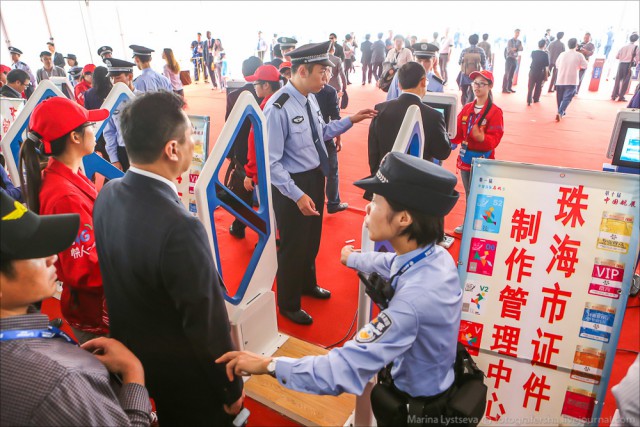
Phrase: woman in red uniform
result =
(266, 81)
(85, 83)
(480, 128)
(63, 131)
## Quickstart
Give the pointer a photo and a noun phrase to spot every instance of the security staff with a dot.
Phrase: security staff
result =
(417, 332)
(299, 164)
(120, 71)
(105, 52)
(149, 80)
(277, 60)
(425, 54)
(19, 65)
(287, 44)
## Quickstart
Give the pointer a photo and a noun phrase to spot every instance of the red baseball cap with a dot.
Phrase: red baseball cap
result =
(57, 116)
(89, 68)
(285, 64)
(265, 73)
(488, 75)
(4, 68)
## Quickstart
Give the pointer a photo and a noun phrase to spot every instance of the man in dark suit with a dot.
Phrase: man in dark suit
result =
(366, 47)
(339, 49)
(164, 297)
(238, 152)
(58, 58)
(385, 126)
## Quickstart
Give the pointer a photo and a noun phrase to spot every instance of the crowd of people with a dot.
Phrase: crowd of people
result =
(140, 288)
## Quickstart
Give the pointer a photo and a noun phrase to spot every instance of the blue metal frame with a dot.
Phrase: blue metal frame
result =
(260, 223)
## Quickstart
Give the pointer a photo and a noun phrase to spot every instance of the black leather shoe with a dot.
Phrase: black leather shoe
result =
(336, 209)
(236, 232)
(300, 317)
(512, 91)
(318, 293)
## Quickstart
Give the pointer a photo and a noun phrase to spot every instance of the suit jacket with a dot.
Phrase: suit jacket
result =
(366, 48)
(239, 148)
(164, 297)
(9, 92)
(385, 126)
(58, 60)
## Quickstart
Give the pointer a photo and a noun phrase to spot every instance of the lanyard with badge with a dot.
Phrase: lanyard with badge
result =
(50, 332)
(381, 290)
(467, 155)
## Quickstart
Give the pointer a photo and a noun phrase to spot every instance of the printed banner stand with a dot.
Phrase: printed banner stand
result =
(252, 310)
(410, 140)
(546, 281)
(65, 87)
(9, 110)
(596, 75)
(187, 181)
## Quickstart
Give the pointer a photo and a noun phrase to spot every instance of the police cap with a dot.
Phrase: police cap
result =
(140, 50)
(104, 49)
(312, 53)
(414, 183)
(13, 49)
(75, 71)
(287, 42)
(117, 66)
(70, 56)
(424, 50)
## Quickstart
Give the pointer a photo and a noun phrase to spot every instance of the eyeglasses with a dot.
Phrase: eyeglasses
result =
(258, 83)
(480, 84)
(327, 72)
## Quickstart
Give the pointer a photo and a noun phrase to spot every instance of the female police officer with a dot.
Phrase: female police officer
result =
(418, 329)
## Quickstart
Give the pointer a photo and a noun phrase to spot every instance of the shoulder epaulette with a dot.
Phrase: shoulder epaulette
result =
(438, 79)
(281, 100)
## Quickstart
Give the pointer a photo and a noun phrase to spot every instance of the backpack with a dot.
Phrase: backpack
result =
(469, 399)
(389, 70)
(471, 63)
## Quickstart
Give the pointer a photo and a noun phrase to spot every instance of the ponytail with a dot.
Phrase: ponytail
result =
(486, 110)
(30, 164)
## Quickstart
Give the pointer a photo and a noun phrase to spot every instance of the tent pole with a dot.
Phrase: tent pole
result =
(46, 19)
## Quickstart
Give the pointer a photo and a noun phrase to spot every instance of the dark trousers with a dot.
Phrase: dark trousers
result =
(535, 86)
(299, 239)
(564, 95)
(581, 74)
(509, 71)
(123, 158)
(366, 68)
(444, 60)
(623, 78)
(333, 195)
(467, 94)
(554, 75)
(348, 63)
(376, 68)
(198, 64)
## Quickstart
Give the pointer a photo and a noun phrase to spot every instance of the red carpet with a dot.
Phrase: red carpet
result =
(531, 136)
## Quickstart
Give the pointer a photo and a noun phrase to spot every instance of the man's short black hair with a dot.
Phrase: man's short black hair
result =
(633, 38)
(560, 35)
(17, 76)
(367, 37)
(144, 58)
(149, 121)
(410, 74)
(425, 229)
(380, 35)
(572, 43)
(485, 36)
(542, 43)
(474, 39)
(295, 67)
(250, 65)
(333, 35)
(6, 266)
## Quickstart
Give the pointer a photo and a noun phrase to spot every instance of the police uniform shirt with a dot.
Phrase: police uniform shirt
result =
(291, 145)
(433, 84)
(418, 332)
(150, 80)
(24, 67)
(112, 134)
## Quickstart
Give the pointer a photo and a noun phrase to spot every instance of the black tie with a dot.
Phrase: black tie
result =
(324, 160)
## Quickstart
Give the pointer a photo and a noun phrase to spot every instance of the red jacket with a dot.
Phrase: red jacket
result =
(251, 168)
(79, 91)
(82, 301)
(493, 126)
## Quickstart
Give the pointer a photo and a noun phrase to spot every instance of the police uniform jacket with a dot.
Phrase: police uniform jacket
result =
(82, 299)
(150, 81)
(417, 332)
(291, 146)
(493, 126)
(164, 296)
(384, 129)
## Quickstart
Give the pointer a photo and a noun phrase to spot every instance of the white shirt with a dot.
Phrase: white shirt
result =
(626, 52)
(445, 45)
(154, 176)
(569, 64)
(400, 58)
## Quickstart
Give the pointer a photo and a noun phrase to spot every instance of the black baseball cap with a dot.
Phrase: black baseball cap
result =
(26, 235)
(414, 183)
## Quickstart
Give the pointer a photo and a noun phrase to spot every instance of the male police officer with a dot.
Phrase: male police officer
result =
(418, 329)
(149, 80)
(105, 52)
(19, 65)
(425, 54)
(299, 164)
(287, 44)
(120, 71)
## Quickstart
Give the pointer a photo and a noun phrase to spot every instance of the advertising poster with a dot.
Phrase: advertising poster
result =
(187, 181)
(9, 109)
(546, 269)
